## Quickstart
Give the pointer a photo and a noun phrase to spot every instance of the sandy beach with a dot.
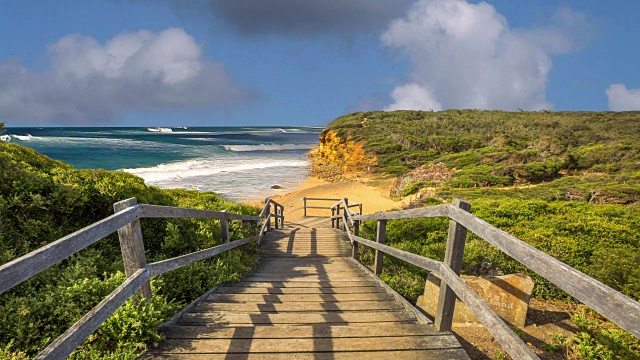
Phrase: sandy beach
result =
(372, 194)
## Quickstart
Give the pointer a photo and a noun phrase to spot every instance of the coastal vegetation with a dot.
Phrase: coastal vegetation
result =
(42, 200)
(567, 183)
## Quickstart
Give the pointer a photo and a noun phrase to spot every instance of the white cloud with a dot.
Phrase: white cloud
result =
(623, 99)
(465, 56)
(90, 82)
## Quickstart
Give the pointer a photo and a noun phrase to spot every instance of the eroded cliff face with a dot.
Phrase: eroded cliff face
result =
(338, 159)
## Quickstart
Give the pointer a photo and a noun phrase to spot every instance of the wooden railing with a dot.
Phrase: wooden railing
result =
(305, 205)
(126, 221)
(615, 306)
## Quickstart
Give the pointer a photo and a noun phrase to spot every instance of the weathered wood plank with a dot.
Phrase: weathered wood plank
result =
(296, 318)
(251, 308)
(298, 332)
(381, 236)
(26, 266)
(300, 290)
(80, 331)
(425, 263)
(510, 342)
(164, 266)
(284, 284)
(431, 354)
(426, 212)
(453, 256)
(283, 346)
(615, 306)
(297, 297)
(159, 211)
(132, 246)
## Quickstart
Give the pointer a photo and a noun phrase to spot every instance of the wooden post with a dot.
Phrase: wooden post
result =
(224, 230)
(346, 210)
(354, 250)
(356, 228)
(304, 206)
(360, 208)
(268, 218)
(276, 210)
(381, 237)
(338, 219)
(132, 246)
(453, 259)
(333, 221)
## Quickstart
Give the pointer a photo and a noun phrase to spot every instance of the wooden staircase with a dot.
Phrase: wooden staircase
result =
(306, 299)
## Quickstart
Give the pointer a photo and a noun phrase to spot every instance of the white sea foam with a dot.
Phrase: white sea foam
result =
(267, 147)
(179, 171)
(23, 137)
(69, 141)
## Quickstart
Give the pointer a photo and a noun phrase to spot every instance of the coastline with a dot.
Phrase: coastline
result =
(373, 195)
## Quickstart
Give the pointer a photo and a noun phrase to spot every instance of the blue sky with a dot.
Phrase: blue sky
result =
(292, 62)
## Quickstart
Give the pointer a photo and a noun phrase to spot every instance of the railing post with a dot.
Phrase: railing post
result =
(360, 208)
(356, 232)
(132, 246)
(276, 210)
(346, 210)
(453, 259)
(381, 237)
(338, 218)
(282, 218)
(268, 219)
(224, 229)
(304, 206)
(356, 228)
(333, 221)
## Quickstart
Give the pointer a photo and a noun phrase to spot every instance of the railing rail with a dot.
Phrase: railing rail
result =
(126, 221)
(615, 306)
(305, 205)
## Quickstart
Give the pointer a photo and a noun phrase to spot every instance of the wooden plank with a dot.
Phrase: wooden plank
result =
(297, 297)
(159, 211)
(323, 199)
(296, 318)
(613, 305)
(284, 346)
(381, 236)
(425, 263)
(80, 331)
(426, 212)
(224, 230)
(431, 354)
(250, 308)
(453, 256)
(26, 266)
(284, 284)
(510, 342)
(164, 266)
(132, 246)
(298, 332)
(300, 290)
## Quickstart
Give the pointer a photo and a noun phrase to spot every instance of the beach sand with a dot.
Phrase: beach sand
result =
(372, 194)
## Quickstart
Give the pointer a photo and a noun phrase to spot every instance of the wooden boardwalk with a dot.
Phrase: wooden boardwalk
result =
(306, 299)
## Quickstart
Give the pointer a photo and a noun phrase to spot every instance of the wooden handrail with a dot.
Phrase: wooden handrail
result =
(617, 307)
(31, 264)
(126, 222)
(158, 211)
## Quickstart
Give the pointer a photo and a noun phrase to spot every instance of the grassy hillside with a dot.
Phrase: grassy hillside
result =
(42, 200)
(566, 182)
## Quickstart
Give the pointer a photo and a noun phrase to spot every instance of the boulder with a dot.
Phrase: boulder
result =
(507, 295)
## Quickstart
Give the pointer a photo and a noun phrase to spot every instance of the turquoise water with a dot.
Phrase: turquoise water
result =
(239, 163)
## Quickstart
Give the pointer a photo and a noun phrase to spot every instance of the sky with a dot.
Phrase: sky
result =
(304, 63)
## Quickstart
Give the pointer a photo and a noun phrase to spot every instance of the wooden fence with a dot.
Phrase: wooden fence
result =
(126, 221)
(321, 206)
(615, 306)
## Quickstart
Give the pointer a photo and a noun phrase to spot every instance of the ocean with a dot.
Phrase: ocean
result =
(238, 163)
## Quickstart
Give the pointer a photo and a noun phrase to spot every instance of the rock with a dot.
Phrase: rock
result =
(507, 295)
(276, 186)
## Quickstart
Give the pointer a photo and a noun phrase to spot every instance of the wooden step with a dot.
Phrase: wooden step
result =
(431, 354)
(298, 297)
(251, 308)
(297, 318)
(283, 346)
(299, 290)
(298, 284)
